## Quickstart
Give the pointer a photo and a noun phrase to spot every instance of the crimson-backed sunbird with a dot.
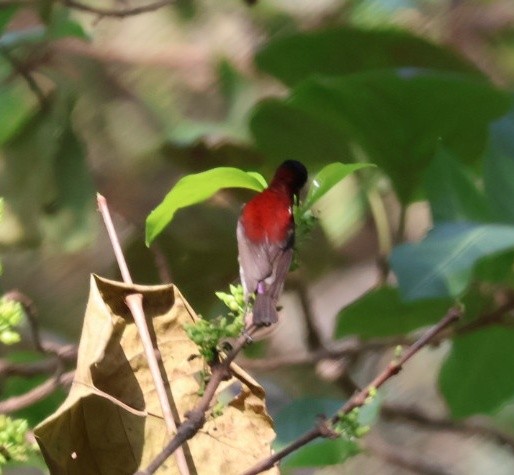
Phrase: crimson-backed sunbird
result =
(265, 238)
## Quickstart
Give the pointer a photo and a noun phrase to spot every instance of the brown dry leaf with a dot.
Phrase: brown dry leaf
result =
(111, 423)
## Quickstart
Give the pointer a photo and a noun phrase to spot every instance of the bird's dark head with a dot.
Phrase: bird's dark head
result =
(291, 174)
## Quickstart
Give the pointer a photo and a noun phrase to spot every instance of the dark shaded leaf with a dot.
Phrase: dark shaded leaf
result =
(476, 378)
(381, 312)
(282, 130)
(347, 50)
(499, 168)
(398, 119)
(452, 192)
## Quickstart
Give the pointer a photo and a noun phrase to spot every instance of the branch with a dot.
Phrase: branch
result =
(67, 354)
(134, 302)
(196, 417)
(16, 403)
(359, 399)
(64, 353)
(24, 72)
(496, 317)
(109, 12)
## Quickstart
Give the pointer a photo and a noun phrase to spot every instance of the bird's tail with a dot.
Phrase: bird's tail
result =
(264, 310)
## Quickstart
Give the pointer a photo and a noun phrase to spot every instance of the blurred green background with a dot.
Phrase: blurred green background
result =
(96, 97)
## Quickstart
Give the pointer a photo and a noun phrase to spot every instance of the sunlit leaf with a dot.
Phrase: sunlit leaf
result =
(193, 189)
(328, 177)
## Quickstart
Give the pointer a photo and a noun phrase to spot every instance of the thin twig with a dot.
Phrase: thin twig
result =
(134, 302)
(359, 399)
(23, 71)
(110, 12)
(196, 417)
(16, 403)
(67, 355)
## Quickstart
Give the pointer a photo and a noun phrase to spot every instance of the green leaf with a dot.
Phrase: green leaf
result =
(193, 189)
(70, 221)
(328, 177)
(496, 269)
(56, 204)
(476, 378)
(381, 312)
(6, 14)
(442, 264)
(322, 453)
(300, 416)
(282, 130)
(499, 168)
(62, 26)
(18, 107)
(346, 50)
(237, 95)
(397, 118)
(452, 192)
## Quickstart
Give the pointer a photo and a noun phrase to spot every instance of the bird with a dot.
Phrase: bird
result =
(265, 238)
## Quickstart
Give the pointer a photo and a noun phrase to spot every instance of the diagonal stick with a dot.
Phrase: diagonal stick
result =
(134, 302)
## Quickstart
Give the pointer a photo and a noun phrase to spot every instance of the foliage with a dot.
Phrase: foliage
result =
(208, 334)
(324, 89)
(14, 446)
(11, 314)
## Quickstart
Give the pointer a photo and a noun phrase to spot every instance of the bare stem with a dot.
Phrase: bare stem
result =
(16, 403)
(196, 417)
(359, 399)
(134, 302)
